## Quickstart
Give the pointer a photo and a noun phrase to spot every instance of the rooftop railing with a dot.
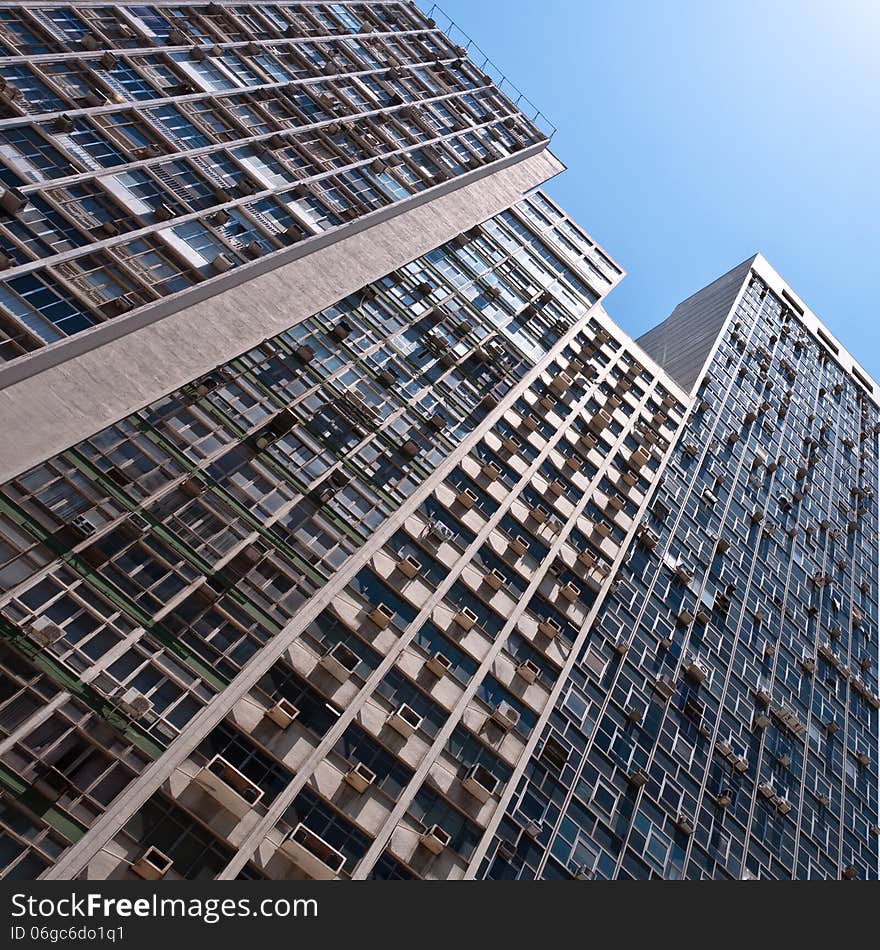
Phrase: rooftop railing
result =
(480, 59)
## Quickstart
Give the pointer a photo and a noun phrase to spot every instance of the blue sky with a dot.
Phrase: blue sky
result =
(697, 132)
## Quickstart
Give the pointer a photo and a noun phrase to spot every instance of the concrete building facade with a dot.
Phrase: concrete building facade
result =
(342, 532)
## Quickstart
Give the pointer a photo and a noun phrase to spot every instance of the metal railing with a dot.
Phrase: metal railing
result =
(478, 57)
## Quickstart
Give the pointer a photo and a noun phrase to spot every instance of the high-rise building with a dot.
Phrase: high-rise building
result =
(343, 534)
(721, 718)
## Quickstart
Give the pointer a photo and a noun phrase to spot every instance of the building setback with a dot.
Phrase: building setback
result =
(342, 532)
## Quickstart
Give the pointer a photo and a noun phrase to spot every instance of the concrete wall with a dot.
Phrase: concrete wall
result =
(66, 393)
(681, 344)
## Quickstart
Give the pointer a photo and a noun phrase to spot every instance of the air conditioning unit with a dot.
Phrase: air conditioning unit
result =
(530, 422)
(783, 805)
(439, 664)
(587, 558)
(282, 713)
(635, 712)
(12, 200)
(539, 513)
(684, 823)
(465, 618)
(404, 720)
(569, 592)
(587, 442)
(638, 777)
(599, 421)
(685, 617)
(152, 865)
(683, 572)
(221, 263)
(467, 498)
(621, 645)
(549, 627)
(339, 662)
(664, 685)
(528, 671)
(134, 704)
(381, 615)
(766, 790)
(763, 692)
(505, 716)
(808, 663)
(44, 632)
(311, 854)
(511, 444)
(83, 526)
(647, 538)
(304, 353)
(760, 721)
(495, 580)
(440, 530)
(229, 787)
(602, 528)
(724, 797)
(724, 748)
(740, 763)
(480, 782)
(518, 545)
(555, 488)
(639, 458)
(561, 384)
(490, 471)
(409, 566)
(435, 839)
(696, 670)
(360, 778)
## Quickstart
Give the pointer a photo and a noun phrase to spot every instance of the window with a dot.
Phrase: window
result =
(605, 799)
(44, 307)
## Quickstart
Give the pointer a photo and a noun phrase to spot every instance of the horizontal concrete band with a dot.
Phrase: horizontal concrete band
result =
(68, 392)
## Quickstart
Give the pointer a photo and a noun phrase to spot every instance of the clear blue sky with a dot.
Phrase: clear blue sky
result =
(697, 132)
